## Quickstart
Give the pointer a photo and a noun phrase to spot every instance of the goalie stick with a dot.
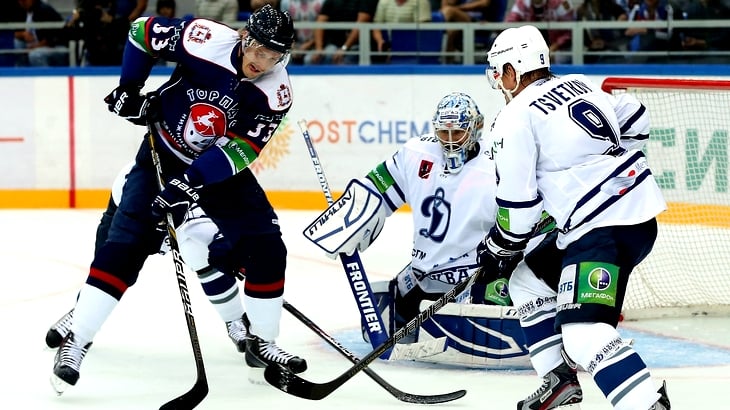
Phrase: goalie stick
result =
(398, 394)
(197, 393)
(288, 382)
(352, 264)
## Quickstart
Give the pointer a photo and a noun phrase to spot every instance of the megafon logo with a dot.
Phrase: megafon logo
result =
(276, 149)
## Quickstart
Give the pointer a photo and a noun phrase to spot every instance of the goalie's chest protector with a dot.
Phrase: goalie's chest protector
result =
(451, 212)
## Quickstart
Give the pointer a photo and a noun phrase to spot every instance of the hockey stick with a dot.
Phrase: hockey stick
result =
(352, 264)
(398, 394)
(199, 390)
(288, 382)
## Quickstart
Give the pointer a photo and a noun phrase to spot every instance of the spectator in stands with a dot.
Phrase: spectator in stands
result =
(460, 11)
(257, 4)
(224, 11)
(166, 8)
(546, 11)
(45, 47)
(328, 43)
(706, 39)
(104, 32)
(398, 11)
(645, 39)
(365, 12)
(129, 9)
(599, 40)
(11, 10)
(302, 10)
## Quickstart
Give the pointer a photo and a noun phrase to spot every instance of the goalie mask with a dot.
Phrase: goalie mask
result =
(458, 126)
(270, 35)
(524, 48)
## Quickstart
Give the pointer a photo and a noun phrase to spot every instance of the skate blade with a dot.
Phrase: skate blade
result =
(59, 385)
(575, 406)
(256, 376)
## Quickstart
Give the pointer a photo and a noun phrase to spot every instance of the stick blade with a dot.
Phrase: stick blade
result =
(189, 400)
(288, 382)
(432, 399)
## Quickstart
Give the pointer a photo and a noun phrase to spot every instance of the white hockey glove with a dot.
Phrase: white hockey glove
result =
(351, 223)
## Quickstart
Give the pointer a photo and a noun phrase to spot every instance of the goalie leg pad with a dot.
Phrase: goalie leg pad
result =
(477, 336)
(351, 223)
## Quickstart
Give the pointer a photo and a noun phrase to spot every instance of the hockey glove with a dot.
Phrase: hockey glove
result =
(497, 255)
(127, 102)
(221, 257)
(177, 193)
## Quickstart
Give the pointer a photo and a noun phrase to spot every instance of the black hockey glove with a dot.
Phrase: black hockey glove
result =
(177, 192)
(497, 255)
(127, 102)
(222, 258)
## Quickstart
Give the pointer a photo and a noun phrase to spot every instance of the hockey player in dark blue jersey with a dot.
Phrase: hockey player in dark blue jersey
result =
(221, 105)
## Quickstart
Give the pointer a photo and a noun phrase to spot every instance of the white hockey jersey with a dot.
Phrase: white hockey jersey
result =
(566, 146)
(451, 212)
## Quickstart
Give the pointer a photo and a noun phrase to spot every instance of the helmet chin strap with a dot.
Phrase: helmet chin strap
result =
(508, 93)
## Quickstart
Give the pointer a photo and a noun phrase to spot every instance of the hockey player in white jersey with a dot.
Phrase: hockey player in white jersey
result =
(563, 146)
(447, 177)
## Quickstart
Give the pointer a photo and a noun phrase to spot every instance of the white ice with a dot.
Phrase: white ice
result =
(142, 358)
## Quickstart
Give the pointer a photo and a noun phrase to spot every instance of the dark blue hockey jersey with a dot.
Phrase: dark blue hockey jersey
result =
(213, 117)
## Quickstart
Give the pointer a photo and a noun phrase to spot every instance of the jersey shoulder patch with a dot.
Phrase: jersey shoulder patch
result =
(276, 86)
(210, 41)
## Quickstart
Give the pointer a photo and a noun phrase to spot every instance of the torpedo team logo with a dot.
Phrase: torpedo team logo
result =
(599, 279)
(204, 124)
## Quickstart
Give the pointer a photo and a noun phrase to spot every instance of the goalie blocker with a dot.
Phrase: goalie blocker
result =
(465, 334)
(351, 223)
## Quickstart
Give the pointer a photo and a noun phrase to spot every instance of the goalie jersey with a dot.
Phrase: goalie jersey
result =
(451, 212)
(566, 147)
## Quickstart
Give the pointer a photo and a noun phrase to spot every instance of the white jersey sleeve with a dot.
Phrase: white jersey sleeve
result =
(633, 120)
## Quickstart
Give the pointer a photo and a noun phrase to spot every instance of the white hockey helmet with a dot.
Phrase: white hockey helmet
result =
(458, 126)
(523, 47)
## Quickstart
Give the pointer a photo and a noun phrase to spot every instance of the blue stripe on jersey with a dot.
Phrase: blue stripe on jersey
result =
(593, 192)
(610, 378)
(520, 204)
(632, 120)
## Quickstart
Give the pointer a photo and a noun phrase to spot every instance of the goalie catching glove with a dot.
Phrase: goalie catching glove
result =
(350, 223)
(127, 102)
(177, 192)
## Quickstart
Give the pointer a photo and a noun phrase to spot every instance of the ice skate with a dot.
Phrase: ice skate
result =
(59, 330)
(260, 353)
(67, 363)
(559, 388)
(237, 331)
(663, 402)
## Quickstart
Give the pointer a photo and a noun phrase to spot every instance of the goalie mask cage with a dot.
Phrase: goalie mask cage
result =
(687, 272)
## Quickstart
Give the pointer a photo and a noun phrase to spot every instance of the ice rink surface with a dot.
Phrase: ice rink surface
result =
(142, 358)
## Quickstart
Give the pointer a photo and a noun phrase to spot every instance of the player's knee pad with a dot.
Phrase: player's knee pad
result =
(591, 345)
(262, 258)
(116, 267)
(193, 237)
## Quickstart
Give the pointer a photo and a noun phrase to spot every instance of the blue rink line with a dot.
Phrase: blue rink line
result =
(657, 351)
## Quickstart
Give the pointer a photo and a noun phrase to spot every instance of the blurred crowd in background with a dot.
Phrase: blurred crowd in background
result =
(100, 28)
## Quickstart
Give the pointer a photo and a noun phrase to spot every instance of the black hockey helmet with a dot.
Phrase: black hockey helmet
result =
(272, 28)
